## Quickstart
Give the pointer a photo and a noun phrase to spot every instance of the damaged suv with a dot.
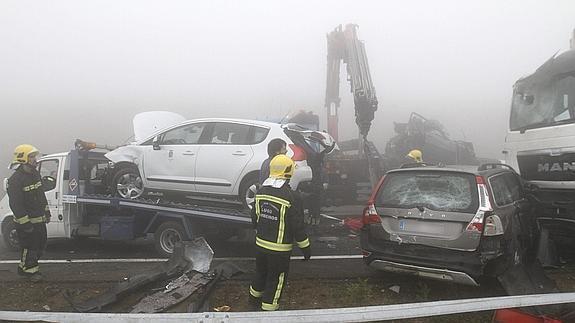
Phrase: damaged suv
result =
(447, 223)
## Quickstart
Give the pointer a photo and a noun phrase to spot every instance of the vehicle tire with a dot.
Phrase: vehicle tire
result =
(167, 235)
(127, 183)
(9, 235)
(248, 189)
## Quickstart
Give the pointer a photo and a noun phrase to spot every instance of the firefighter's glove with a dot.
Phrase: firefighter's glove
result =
(26, 227)
(306, 253)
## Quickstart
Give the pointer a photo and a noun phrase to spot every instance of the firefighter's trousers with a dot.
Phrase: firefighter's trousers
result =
(270, 279)
(32, 245)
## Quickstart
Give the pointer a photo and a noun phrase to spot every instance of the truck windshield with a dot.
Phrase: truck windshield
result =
(539, 105)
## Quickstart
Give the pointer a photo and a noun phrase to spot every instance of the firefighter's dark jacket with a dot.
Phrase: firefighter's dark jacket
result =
(26, 195)
(277, 215)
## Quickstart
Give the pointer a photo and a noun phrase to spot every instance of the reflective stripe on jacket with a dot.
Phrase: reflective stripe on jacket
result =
(277, 215)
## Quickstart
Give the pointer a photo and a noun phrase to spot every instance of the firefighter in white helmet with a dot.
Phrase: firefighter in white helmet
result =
(30, 208)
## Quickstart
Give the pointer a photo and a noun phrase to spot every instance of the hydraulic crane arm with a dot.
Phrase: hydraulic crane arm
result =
(345, 45)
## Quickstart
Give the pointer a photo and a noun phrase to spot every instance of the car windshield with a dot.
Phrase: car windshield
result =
(435, 190)
(543, 104)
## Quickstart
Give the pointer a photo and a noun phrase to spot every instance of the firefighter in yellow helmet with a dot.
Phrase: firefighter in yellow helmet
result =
(415, 156)
(30, 209)
(277, 216)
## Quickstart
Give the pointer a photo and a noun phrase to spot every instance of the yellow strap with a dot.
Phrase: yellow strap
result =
(23, 259)
(255, 293)
(22, 220)
(282, 225)
(282, 247)
(32, 187)
(303, 244)
(38, 219)
(269, 307)
(279, 289)
(32, 270)
(273, 199)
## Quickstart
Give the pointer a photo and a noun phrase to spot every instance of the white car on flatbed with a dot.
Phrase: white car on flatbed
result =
(215, 157)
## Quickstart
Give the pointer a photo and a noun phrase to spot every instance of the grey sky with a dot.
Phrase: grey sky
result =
(82, 69)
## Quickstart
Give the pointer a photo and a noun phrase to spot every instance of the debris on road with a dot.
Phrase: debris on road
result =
(395, 289)
(188, 256)
(224, 308)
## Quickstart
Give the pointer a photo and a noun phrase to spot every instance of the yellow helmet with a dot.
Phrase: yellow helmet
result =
(416, 155)
(281, 167)
(22, 154)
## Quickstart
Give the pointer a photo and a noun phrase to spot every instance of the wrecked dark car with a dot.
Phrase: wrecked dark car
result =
(430, 137)
(448, 223)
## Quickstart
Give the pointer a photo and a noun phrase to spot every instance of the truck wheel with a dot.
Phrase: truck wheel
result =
(127, 183)
(10, 235)
(248, 190)
(166, 237)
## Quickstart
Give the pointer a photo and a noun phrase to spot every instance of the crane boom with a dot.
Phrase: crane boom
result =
(344, 45)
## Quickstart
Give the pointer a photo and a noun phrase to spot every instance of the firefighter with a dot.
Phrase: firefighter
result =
(30, 208)
(277, 216)
(415, 156)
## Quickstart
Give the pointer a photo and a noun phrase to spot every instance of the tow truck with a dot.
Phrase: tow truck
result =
(75, 185)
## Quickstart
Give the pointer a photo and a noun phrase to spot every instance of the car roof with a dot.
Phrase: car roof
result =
(183, 123)
(471, 169)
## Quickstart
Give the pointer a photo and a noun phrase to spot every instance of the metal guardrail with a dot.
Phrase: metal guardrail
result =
(352, 314)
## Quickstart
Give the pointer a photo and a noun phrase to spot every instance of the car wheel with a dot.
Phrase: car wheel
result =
(166, 237)
(248, 191)
(128, 183)
(10, 235)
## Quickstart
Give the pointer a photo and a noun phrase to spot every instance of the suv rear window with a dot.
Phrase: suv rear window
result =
(435, 190)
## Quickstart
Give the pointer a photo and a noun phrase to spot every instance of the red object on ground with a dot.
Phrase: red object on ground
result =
(354, 224)
(510, 315)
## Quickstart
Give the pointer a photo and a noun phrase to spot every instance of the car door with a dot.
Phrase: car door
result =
(51, 167)
(222, 159)
(507, 189)
(171, 164)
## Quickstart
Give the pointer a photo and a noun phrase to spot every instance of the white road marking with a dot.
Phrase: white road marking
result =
(140, 260)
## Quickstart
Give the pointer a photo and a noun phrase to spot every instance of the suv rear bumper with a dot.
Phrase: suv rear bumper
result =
(444, 264)
(427, 272)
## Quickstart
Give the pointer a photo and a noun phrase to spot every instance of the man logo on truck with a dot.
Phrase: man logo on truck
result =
(556, 167)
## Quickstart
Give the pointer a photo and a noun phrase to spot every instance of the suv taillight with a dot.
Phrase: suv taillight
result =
(476, 223)
(493, 226)
(370, 215)
(298, 153)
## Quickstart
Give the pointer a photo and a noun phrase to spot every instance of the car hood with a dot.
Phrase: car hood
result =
(148, 123)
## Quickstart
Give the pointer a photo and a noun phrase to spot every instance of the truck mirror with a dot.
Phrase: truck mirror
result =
(156, 143)
(49, 183)
(5, 184)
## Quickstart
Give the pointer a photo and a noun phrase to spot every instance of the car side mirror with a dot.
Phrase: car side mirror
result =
(49, 183)
(156, 143)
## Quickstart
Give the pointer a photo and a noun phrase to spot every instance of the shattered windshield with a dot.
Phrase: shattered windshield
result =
(439, 191)
(543, 104)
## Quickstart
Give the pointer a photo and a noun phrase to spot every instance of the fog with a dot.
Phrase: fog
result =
(82, 69)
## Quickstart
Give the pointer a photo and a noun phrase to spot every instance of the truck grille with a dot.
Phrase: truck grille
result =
(547, 165)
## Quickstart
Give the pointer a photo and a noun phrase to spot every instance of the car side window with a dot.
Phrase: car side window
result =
(259, 135)
(230, 134)
(49, 168)
(506, 189)
(185, 135)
